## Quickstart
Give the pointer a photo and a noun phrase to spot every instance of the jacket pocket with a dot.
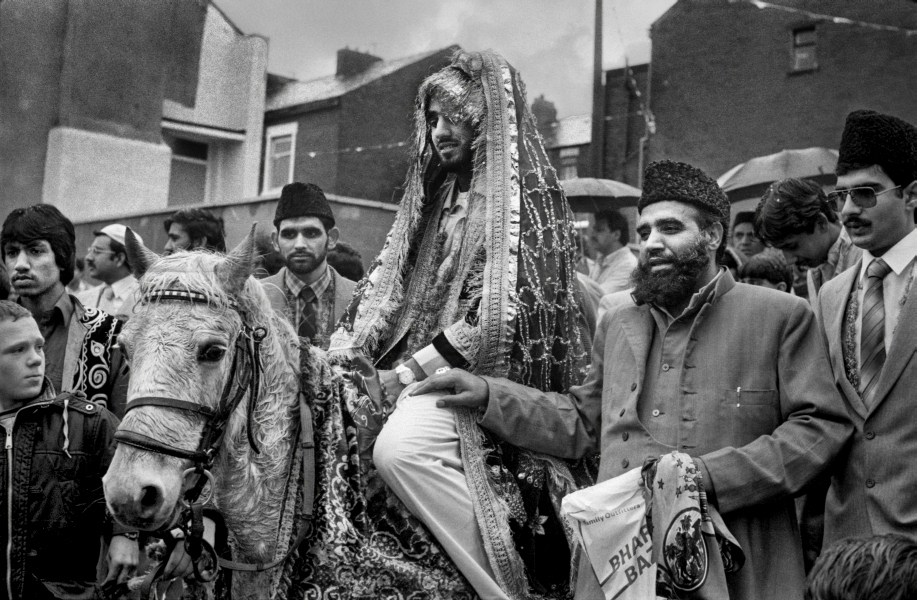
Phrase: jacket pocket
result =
(749, 413)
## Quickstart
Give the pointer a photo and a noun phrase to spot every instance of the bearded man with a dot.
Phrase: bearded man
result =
(731, 374)
(477, 272)
(307, 290)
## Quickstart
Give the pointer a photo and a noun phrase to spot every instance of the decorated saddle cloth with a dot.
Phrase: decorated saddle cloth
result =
(692, 547)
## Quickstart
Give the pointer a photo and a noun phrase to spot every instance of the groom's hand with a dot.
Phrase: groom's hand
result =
(466, 389)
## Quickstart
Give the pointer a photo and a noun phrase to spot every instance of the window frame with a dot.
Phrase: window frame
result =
(794, 46)
(272, 132)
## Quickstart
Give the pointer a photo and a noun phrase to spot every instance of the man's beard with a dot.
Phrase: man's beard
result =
(671, 286)
(460, 161)
(310, 263)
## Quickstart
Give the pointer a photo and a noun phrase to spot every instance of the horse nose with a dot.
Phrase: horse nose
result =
(151, 497)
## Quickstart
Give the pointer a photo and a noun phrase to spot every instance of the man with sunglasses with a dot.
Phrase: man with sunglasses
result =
(868, 316)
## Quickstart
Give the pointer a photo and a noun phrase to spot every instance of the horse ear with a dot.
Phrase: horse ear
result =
(238, 265)
(138, 255)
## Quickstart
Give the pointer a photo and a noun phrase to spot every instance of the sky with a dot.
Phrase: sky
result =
(550, 42)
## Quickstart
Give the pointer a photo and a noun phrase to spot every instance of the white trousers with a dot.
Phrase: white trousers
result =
(419, 457)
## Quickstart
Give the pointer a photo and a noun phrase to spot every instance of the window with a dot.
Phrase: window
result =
(280, 151)
(188, 174)
(568, 159)
(804, 57)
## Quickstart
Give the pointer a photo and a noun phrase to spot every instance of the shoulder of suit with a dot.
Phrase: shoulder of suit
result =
(617, 301)
(347, 286)
(751, 295)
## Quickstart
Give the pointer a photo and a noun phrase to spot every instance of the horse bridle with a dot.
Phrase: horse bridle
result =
(244, 376)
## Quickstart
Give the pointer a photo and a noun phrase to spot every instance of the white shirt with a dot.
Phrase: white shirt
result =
(900, 258)
(612, 272)
(113, 303)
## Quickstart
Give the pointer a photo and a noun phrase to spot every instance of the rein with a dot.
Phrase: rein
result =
(244, 376)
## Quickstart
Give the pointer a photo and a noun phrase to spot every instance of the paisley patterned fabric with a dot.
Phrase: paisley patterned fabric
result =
(365, 544)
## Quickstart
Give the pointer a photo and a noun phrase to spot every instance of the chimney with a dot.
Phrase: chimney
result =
(352, 62)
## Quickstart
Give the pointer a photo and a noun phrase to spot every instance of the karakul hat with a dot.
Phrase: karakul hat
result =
(871, 138)
(302, 200)
(746, 216)
(680, 182)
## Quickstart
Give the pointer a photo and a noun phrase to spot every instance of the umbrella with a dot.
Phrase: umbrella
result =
(752, 178)
(592, 195)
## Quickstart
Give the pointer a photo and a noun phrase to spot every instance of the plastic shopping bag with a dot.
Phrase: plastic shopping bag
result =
(610, 521)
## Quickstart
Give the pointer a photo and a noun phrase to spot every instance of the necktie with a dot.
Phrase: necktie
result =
(872, 336)
(308, 321)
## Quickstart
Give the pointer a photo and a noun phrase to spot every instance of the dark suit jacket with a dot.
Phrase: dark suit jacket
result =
(755, 453)
(873, 486)
(276, 291)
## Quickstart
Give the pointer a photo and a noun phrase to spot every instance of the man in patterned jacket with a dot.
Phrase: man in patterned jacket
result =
(38, 245)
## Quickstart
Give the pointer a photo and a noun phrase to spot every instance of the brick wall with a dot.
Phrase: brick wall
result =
(723, 90)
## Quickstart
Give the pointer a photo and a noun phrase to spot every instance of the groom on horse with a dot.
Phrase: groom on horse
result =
(478, 272)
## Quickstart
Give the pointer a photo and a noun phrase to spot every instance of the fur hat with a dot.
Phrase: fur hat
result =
(746, 216)
(303, 200)
(680, 182)
(871, 138)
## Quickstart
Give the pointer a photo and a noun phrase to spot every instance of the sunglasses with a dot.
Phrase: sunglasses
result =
(864, 197)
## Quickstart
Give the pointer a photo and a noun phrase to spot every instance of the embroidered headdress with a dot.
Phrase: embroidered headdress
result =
(514, 278)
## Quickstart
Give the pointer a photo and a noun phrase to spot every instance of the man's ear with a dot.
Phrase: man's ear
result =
(333, 235)
(821, 222)
(910, 195)
(714, 235)
(274, 240)
(200, 242)
(781, 286)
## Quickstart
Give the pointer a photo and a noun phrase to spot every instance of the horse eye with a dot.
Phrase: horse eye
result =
(211, 353)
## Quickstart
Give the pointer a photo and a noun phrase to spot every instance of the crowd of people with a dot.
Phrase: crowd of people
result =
(508, 369)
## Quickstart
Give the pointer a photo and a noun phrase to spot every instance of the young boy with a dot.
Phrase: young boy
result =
(767, 270)
(57, 447)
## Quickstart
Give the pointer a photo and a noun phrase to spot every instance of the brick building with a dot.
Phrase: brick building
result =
(113, 108)
(350, 132)
(730, 81)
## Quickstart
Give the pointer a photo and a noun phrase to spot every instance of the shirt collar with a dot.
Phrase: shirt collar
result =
(123, 286)
(64, 306)
(605, 260)
(898, 257)
(295, 284)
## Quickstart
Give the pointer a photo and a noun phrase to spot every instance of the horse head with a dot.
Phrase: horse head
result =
(187, 343)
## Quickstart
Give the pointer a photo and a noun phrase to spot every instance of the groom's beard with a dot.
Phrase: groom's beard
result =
(671, 286)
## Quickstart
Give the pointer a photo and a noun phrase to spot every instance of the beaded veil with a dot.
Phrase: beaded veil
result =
(515, 280)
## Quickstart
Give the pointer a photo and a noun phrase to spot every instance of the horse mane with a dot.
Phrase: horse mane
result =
(201, 271)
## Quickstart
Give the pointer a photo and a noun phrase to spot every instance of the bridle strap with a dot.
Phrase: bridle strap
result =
(170, 403)
(138, 440)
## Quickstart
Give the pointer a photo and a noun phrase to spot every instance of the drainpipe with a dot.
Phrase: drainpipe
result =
(649, 123)
(598, 99)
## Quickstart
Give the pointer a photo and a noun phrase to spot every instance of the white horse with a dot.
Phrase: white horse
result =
(180, 342)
